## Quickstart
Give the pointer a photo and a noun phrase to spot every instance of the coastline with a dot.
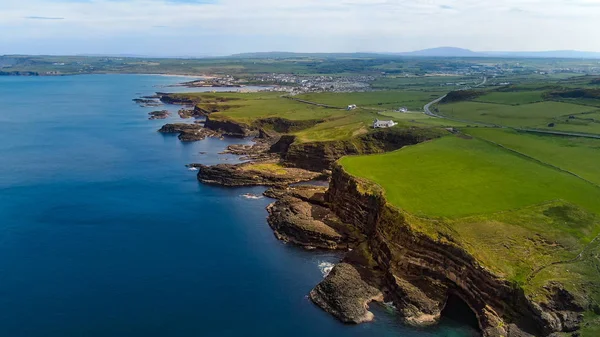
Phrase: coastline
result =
(354, 216)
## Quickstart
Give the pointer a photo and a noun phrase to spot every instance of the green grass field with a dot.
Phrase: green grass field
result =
(527, 115)
(454, 177)
(382, 100)
(248, 107)
(418, 119)
(578, 155)
(511, 98)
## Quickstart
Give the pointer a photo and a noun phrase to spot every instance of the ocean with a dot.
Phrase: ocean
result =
(105, 232)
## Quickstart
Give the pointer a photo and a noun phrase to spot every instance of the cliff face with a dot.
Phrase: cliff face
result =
(229, 128)
(421, 272)
(319, 156)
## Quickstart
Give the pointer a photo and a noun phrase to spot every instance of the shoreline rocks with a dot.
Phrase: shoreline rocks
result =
(189, 132)
(346, 295)
(299, 216)
(247, 174)
(162, 114)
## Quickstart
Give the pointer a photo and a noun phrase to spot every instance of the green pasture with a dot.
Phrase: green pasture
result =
(455, 177)
(413, 100)
(527, 115)
(574, 154)
(511, 98)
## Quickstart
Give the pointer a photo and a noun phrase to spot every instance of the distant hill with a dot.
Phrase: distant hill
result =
(444, 52)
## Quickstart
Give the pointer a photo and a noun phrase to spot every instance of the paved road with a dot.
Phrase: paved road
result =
(428, 112)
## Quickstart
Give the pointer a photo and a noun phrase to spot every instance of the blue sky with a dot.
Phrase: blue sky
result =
(220, 27)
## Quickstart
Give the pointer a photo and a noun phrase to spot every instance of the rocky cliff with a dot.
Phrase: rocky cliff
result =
(421, 271)
(319, 156)
(230, 128)
(267, 173)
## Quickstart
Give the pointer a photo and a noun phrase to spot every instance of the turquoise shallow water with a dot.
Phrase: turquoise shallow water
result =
(104, 232)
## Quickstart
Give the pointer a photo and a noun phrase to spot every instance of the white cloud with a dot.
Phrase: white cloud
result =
(351, 25)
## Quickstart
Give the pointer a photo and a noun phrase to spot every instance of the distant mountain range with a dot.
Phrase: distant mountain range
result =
(435, 52)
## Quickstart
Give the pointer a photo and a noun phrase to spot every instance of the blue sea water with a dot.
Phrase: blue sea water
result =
(104, 232)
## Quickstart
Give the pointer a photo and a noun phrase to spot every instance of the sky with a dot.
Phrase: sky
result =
(223, 27)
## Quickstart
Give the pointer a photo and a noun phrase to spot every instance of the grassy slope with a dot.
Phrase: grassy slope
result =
(577, 155)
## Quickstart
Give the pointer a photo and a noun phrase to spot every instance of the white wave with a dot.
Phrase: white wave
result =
(389, 305)
(193, 168)
(252, 196)
(325, 267)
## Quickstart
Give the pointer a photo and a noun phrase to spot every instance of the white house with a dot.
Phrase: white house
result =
(403, 109)
(351, 107)
(377, 124)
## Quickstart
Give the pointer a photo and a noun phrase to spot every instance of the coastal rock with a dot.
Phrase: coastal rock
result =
(189, 113)
(320, 156)
(162, 114)
(175, 99)
(231, 128)
(346, 295)
(252, 174)
(147, 102)
(303, 221)
(189, 132)
(259, 150)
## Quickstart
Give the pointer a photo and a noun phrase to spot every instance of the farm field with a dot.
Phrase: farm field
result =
(527, 115)
(454, 177)
(511, 98)
(575, 154)
(444, 83)
(413, 100)
(418, 119)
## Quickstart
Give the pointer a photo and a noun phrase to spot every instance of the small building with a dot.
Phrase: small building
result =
(403, 109)
(377, 124)
(351, 107)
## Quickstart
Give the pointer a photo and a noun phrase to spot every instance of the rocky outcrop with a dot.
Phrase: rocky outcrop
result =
(162, 114)
(346, 295)
(190, 113)
(300, 217)
(230, 128)
(147, 102)
(175, 99)
(420, 272)
(189, 132)
(251, 174)
(321, 155)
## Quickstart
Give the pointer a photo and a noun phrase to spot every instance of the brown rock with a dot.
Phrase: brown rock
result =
(346, 295)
